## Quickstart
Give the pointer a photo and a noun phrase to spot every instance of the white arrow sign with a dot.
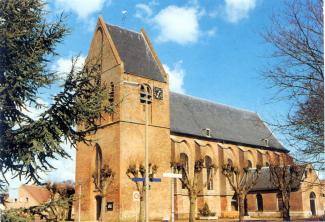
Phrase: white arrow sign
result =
(172, 175)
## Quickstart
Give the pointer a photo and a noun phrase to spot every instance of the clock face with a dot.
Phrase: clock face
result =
(158, 93)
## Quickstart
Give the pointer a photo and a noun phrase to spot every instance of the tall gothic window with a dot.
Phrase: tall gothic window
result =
(98, 163)
(145, 94)
(184, 160)
(259, 201)
(208, 165)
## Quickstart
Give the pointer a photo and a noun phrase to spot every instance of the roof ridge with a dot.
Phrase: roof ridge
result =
(217, 103)
(125, 29)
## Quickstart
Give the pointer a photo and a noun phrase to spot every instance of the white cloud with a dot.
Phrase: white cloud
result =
(83, 8)
(64, 65)
(176, 77)
(211, 32)
(238, 9)
(143, 11)
(178, 24)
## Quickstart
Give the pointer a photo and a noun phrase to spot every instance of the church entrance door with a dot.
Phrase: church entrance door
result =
(98, 206)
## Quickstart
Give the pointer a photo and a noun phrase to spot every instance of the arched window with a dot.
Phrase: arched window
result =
(208, 165)
(184, 161)
(98, 164)
(312, 199)
(145, 94)
(259, 201)
(234, 204)
(249, 164)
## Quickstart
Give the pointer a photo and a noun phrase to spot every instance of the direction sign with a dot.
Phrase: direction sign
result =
(154, 179)
(136, 196)
(172, 175)
(140, 179)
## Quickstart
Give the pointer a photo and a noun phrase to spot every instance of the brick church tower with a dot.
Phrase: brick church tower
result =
(132, 70)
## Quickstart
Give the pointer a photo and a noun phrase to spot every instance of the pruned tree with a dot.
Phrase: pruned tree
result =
(297, 72)
(285, 178)
(241, 181)
(102, 180)
(27, 48)
(139, 171)
(191, 183)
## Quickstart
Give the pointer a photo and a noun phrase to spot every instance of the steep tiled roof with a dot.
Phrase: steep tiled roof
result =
(191, 116)
(264, 181)
(39, 193)
(135, 53)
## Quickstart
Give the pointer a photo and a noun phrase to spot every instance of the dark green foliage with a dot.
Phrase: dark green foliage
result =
(27, 46)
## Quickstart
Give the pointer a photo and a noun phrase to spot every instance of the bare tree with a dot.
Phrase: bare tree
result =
(102, 180)
(191, 183)
(241, 181)
(285, 178)
(297, 71)
(139, 171)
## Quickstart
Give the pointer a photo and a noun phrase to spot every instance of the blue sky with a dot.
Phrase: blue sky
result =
(211, 49)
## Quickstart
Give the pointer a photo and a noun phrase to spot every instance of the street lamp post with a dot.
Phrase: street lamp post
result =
(79, 202)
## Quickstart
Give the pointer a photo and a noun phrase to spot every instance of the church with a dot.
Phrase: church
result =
(174, 126)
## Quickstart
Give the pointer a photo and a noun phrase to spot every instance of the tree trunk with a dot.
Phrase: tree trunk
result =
(241, 206)
(286, 206)
(142, 206)
(192, 207)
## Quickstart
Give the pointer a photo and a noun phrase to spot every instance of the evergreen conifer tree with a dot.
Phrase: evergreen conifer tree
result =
(27, 48)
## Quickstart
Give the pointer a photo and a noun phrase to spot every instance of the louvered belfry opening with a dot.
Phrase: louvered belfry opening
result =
(145, 94)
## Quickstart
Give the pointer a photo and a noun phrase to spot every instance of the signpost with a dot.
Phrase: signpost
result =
(136, 194)
(140, 179)
(172, 176)
(136, 198)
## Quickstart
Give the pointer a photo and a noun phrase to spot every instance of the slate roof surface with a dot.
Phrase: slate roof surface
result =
(135, 53)
(264, 181)
(190, 116)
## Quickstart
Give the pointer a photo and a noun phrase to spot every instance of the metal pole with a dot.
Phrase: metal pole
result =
(147, 167)
(79, 202)
(136, 211)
